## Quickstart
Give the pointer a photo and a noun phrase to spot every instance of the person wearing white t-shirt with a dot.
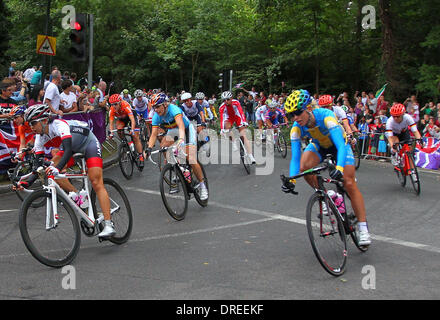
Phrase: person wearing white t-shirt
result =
(68, 97)
(52, 95)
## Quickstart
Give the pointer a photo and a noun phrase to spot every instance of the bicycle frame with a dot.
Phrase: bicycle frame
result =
(403, 153)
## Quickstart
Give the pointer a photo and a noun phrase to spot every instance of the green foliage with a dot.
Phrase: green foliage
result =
(179, 45)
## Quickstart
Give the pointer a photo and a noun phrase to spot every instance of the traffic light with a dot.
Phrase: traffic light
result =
(223, 81)
(78, 37)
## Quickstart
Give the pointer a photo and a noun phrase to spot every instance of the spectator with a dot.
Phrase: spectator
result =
(69, 99)
(36, 96)
(29, 73)
(249, 106)
(102, 100)
(372, 102)
(38, 75)
(46, 81)
(427, 109)
(52, 95)
(73, 78)
(12, 68)
(382, 104)
(7, 88)
(66, 76)
(83, 82)
(262, 98)
(432, 129)
(364, 130)
(422, 124)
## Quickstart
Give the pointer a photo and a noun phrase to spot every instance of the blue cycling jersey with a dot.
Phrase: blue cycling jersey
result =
(169, 119)
(327, 135)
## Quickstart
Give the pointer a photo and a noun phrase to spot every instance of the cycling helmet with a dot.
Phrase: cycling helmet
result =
(397, 110)
(186, 96)
(158, 99)
(200, 96)
(17, 111)
(138, 93)
(297, 101)
(325, 100)
(125, 91)
(344, 107)
(268, 101)
(211, 101)
(226, 95)
(36, 112)
(273, 104)
(114, 98)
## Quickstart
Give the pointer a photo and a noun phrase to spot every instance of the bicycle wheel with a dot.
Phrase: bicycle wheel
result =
(120, 210)
(327, 235)
(173, 191)
(195, 182)
(162, 160)
(282, 145)
(413, 174)
(52, 246)
(21, 170)
(400, 174)
(357, 156)
(243, 156)
(126, 162)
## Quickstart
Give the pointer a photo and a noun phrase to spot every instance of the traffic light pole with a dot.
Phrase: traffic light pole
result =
(90, 70)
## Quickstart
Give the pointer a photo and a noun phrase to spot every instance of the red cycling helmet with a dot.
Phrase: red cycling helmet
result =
(115, 98)
(397, 110)
(325, 100)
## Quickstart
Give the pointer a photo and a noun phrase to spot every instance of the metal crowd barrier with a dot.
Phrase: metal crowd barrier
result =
(364, 141)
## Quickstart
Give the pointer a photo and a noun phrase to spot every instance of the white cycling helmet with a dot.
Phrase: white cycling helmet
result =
(138, 93)
(200, 96)
(185, 96)
(226, 95)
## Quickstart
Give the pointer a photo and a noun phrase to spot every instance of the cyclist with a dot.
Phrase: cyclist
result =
(140, 104)
(260, 117)
(178, 125)
(24, 129)
(231, 113)
(397, 129)
(326, 101)
(193, 109)
(327, 138)
(126, 96)
(70, 137)
(274, 115)
(123, 113)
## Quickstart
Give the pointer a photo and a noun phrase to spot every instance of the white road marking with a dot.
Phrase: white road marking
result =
(276, 216)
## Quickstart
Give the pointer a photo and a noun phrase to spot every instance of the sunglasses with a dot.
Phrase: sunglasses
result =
(34, 122)
(158, 106)
(114, 104)
(298, 112)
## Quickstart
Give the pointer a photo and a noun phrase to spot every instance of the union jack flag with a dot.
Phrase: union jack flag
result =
(9, 142)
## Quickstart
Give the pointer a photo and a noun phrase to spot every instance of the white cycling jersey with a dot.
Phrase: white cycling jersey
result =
(340, 113)
(140, 106)
(260, 113)
(394, 128)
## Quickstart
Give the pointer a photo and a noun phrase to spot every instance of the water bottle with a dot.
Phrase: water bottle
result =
(131, 145)
(338, 200)
(186, 173)
(85, 199)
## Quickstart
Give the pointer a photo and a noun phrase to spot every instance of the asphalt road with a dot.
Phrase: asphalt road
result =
(249, 243)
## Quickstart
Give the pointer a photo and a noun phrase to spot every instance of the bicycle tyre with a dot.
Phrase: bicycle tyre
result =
(414, 175)
(166, 179)
(201, 202)
(31, 242)
(247, 166)
(400, 175)
(336, 267)
(122, 219)
(126, 162)
(282, 145)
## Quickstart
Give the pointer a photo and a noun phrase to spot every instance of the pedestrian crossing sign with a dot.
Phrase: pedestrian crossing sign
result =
(46, 45)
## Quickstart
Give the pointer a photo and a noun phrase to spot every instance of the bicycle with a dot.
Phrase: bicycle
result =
(176, 178)
(128, 157)
(25, 167)
(143, 132)
(244, 155)
(326, 223)
(280, 143)
(51, 232)
(406, 165)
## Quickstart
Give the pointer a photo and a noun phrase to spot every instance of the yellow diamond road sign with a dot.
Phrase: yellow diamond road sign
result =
(46, 45)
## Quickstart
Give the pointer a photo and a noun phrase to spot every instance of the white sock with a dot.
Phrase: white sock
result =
(363, 226)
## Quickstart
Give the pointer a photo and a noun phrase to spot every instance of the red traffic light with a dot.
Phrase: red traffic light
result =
(77, 26)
